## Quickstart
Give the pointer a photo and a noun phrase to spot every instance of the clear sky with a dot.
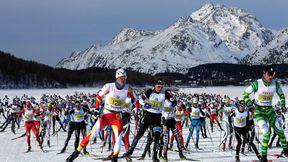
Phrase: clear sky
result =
(48, 30)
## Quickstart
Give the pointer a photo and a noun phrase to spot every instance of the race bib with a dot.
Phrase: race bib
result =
(126, 106)
(168, 109)
(195, 113)
(240, 120)
(78, 116)
(265, 98)
(213, 111)
(178, 116)
(49, 115)
(28, 116)
(116, 102)
(156, 104)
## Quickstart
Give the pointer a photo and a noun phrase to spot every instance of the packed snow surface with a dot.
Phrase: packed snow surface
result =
(13, 151)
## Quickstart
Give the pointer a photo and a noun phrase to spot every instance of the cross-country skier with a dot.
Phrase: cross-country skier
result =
(29, 115)
(227, 109)
(115, 96)
(264, 90)
(180, 113)
(195, 123)
(76, 124)
(169, 123)
(153, 102)
(241, 118)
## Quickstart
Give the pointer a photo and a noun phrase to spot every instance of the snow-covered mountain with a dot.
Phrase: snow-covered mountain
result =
(212, 34)
(238, 29)
(275, 52)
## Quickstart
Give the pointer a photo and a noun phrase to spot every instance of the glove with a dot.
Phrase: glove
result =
(284, 109)
(163, 121)
(147, 105)
(249, 103)
(251, 109)
(96, 113)
(174, 103)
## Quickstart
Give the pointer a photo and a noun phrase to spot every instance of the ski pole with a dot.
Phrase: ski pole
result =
(56, 133)
(210, 139)
(258, 138)
(194, 143)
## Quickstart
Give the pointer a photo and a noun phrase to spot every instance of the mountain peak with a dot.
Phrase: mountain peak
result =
(236, 27)
(275, 52)
(129, 34)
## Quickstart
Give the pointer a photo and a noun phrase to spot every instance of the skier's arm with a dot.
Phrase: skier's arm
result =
(230, 118)
(144, 98)
(202, 113)
(87, 110)
(133, 97)
(250, 89)
(105, 90)
(281, 96)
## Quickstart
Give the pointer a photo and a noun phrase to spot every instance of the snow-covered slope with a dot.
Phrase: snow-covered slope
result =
(13, 151)
(213, 34)
(239, 30)
(275, 52)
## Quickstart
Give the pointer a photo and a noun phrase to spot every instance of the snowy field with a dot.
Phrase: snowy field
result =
(13, 151)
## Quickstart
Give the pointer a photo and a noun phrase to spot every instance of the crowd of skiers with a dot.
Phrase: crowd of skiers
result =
(158, 111)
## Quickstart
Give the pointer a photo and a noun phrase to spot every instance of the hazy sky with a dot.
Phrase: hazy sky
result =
(48, 30)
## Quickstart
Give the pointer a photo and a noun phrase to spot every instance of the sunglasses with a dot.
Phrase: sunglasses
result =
(270, 73)
(159, 86)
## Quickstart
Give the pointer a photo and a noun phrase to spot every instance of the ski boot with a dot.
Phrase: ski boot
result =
(183, 148)
(109, 147)
(114, 158)
(127, 156)
(48, 143)
(29, 149)
(259, 157)
(278, 144)
(85, 152)
(110, 156)
(182, 157)
(270, 145)
(230, 146)
(186, 145)
(142, 157)
(242, 150)
(285, 152)
(237, 159)
(63, 150)
(73, 156)
(197, 146)
(149, 152)
(223, 147)
(41, 147)
(161, 157)
(103, 145)
(170, 146)
(264, 158)
(155, 158)
(165, 159)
